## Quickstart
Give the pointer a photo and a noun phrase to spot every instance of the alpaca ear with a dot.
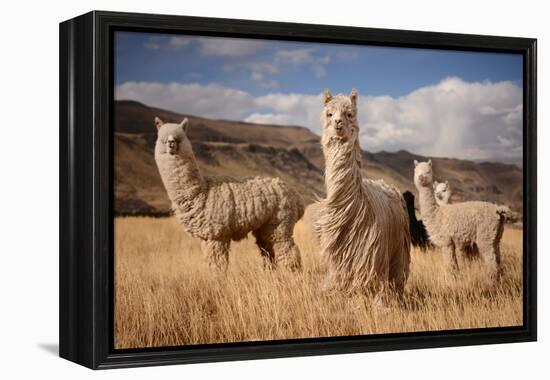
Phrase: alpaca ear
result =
(353, 96)
(415, 163)
(447, 183)
(185, 124)
(327, 96)
(430, 163)
(435, 184)
(158, 122)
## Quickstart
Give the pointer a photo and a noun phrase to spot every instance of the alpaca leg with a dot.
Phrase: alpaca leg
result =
(285, 250)
(449, 255)
(267, 252)
(216, 253)
(497, 260)
(398, 276)
(287, 254)
(469, 251)
(490, 252)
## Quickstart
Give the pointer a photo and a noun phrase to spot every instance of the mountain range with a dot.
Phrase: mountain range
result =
(225, 147)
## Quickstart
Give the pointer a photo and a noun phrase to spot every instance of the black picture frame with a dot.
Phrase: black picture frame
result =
(86, 189)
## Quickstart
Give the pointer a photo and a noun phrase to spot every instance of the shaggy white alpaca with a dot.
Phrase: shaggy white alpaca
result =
(362, 225)
(460, 226)
(442, 192)
(217, 210)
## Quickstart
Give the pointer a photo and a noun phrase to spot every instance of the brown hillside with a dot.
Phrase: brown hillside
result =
(293, 153)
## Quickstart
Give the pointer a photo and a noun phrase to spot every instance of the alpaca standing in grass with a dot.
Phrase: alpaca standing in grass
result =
(217, 210)
(458, 226)
(419, 235)
(363, 225)
(442, 192)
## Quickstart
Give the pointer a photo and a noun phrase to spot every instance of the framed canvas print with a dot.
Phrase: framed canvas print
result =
(237, 189)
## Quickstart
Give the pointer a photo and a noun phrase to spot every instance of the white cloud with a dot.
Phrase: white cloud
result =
(295, 56)
(453, 118)
(264, 67)
(255, 75)
(211, 100)
(208, 46)
(270, 84)
(163, 42)
(319, 71)
(305, 56)
(178, 41)
(228, 47)
(154, 42)
(269, 118)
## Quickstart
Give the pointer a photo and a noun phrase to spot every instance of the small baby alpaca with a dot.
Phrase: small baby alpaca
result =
(442, 192)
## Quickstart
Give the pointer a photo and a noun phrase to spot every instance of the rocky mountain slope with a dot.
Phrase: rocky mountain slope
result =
(290, 152)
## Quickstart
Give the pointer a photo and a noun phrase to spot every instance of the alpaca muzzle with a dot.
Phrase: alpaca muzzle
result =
(423, 179)
(171, 146)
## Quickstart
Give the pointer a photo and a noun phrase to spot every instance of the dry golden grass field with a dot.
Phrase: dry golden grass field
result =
(165, 294)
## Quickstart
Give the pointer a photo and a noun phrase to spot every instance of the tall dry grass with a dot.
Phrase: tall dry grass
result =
(165, 294)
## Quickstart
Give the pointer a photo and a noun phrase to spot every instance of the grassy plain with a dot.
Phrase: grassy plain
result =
(165, 294)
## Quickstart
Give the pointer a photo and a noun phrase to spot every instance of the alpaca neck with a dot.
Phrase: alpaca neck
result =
(343, 177)
(182, 179)
(428, 205)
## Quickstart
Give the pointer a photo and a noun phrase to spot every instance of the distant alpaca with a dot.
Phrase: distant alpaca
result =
(217, 210)
(363, 225)
(442, 192)
(419, 236)
(459, 226)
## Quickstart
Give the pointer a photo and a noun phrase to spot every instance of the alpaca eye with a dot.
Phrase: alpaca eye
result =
(329, 114)
(350, 115)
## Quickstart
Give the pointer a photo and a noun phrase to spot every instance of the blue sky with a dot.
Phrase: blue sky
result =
(434, 102)
(375, 70)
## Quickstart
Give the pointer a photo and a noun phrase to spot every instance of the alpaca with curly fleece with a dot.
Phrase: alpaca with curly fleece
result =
(363, 225)
(458, 226)
(217, 210)
(442, 192)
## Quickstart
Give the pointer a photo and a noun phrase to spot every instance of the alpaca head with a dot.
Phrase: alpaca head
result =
(423, 174)
(339, 117)
(172, 139)
(442, 192)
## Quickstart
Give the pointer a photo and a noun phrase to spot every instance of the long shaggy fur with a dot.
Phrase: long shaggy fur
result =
(460, 226)
(220, 209)
(363, 225)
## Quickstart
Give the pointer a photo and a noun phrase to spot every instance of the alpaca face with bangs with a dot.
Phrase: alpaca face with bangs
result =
(339, 117)
(423, 174)
(172, 139)
(442, 192)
